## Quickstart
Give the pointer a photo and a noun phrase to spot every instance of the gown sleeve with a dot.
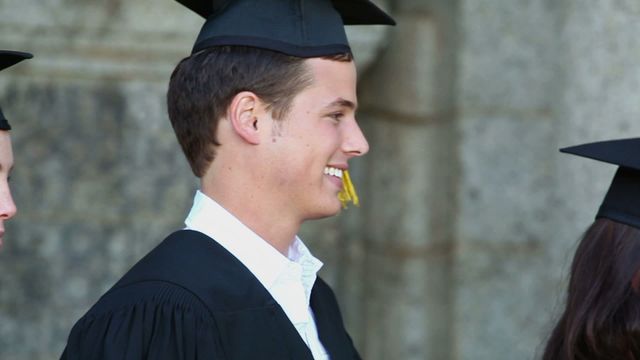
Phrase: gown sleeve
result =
(149, 320)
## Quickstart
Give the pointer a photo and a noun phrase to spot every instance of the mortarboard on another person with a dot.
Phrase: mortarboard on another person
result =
(264, 110)
(601, 319)
(7, 206)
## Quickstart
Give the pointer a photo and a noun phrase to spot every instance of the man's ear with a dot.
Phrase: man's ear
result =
(243, 114)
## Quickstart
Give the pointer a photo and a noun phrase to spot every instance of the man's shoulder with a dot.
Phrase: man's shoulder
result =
(155, 279)
(179, 258)
(193, 267)
(122, 301)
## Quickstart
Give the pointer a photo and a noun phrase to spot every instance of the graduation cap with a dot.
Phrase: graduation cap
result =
(622, 202)
(302, 28)
(9, 58)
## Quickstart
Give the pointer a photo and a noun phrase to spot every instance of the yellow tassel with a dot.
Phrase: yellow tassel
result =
(348, 192)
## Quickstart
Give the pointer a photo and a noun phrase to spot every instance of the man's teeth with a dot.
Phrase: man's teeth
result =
(328, 170)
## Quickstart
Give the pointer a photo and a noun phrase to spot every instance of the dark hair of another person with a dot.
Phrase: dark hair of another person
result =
(203, 85)
(602, 315)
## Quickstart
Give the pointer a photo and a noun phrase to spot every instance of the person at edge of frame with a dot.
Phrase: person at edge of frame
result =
(7, 206)
(264, 110)
(601, 319)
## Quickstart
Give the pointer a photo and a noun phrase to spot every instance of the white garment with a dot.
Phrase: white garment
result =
(289, 280)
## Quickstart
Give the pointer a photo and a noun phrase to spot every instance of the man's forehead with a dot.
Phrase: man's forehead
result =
(333, 81)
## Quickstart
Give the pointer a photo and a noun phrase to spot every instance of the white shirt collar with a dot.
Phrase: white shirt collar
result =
(265, 262)
(289, 279)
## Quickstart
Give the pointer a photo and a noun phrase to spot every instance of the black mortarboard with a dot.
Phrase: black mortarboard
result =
(9, 58)
(303, 28)
(622, 202)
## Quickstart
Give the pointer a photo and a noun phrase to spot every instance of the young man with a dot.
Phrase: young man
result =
(264, 110)
(7, 206)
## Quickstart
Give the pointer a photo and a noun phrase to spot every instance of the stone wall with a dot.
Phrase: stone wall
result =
(99, 178)
(533, 76)
(469, 216)
(408, 110)
(508, 72)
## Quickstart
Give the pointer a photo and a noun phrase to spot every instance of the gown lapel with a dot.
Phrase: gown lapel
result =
(331, 330)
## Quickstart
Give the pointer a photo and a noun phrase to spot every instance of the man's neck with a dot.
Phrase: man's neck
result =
(262, 217)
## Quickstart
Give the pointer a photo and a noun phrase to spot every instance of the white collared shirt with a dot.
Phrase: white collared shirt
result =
(289, 280)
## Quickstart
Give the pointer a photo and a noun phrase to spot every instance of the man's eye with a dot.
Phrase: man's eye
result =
(336, 116)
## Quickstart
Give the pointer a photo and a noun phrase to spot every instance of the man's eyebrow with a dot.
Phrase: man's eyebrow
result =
(342, 103)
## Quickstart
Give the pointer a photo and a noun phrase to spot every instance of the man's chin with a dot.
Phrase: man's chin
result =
(327, 211)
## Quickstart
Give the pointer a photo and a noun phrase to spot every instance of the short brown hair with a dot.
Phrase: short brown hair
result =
(203, 85)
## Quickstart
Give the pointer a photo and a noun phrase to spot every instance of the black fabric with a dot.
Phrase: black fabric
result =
(361, 12)
(205, 8)
(303, 28)
(274, 45)
(353, 12)
(621, 152)
(9, 58)
(4, 123)
(189, 298)
(622, 201)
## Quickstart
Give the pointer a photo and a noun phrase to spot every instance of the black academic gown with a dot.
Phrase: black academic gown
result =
(191, 299)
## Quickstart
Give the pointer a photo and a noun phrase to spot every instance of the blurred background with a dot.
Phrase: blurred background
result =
(469, 214)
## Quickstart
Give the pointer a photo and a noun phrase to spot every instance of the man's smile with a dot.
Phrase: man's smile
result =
(330, 170)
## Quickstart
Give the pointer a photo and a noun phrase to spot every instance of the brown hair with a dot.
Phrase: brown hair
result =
(203, 85)
(601, 319)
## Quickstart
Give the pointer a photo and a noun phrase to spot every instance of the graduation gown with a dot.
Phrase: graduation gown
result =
(190, 298)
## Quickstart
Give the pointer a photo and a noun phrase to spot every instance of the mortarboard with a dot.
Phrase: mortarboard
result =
(622, 201)
(9, 58)
(302, 28)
